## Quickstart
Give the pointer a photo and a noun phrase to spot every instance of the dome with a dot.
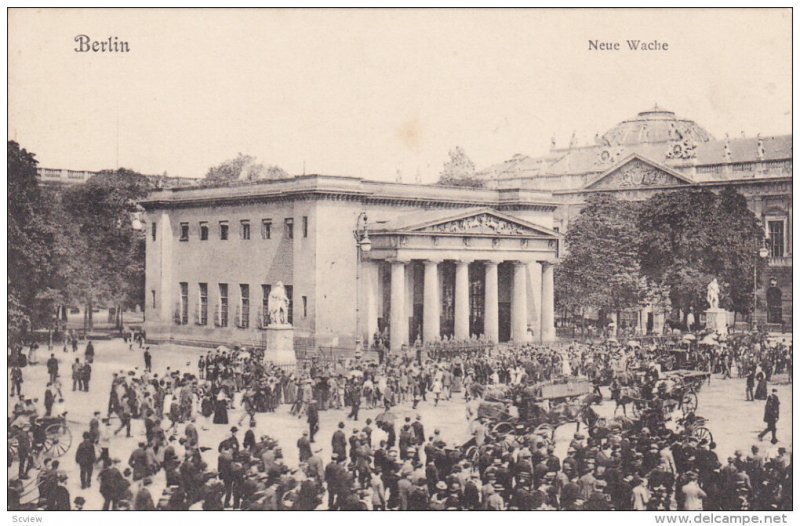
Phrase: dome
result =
(654, 126)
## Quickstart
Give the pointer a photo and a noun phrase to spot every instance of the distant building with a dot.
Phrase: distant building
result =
(63, 176)
(656, 151)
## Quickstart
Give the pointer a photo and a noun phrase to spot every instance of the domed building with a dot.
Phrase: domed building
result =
(659, 151)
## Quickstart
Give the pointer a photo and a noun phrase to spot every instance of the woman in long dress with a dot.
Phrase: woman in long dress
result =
(761, 386)
(221, 409)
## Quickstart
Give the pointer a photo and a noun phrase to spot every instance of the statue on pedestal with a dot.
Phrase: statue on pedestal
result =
(712, 296)
(278, 304)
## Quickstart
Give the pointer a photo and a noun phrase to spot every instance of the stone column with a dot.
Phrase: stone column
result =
(398, 328)
(167, 287)
(490, 317)
(369, 320)
(519, 304)
(548, 303)
(432, 303)
(535, 299)
(461, 320)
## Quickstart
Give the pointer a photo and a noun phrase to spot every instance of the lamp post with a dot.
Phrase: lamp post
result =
(363, 246)
(762, 253)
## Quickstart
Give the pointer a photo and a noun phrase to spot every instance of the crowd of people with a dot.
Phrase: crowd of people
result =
(647, 462)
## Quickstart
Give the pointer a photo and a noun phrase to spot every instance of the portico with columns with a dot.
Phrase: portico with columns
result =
(459, 274)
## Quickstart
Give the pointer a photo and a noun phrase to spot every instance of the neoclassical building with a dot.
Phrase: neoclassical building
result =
(657, 151)
(442, 261)
(439, 262)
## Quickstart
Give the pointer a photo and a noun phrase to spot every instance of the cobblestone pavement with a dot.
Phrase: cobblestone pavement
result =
(734, 422)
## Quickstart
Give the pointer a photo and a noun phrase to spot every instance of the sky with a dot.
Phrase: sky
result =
(378, 94)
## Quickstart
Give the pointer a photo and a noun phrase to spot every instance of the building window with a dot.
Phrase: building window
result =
(305, 307)
(777, 238)
(223, 305)
(182, 317)
(202, 304)
(244, 309)
(288, 226)
(266, 228)
(184, 231)
(290, 308)
(153, 292)
(153, 230)
(203, 231)
(305, 226)
(245, 229)
(265, 290)
(223, 230)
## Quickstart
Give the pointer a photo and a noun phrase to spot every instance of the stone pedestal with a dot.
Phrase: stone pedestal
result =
(280, 345)
(717, 320)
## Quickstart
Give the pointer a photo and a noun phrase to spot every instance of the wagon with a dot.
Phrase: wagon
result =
(681, 387)
(50, 436)
(545, 406)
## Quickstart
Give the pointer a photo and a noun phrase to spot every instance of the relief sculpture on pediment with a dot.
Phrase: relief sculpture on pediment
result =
(479, 224)
(636, 174)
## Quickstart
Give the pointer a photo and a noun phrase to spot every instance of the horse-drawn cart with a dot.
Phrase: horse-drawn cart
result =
(679, 388)
(50, 437)
(540, 408)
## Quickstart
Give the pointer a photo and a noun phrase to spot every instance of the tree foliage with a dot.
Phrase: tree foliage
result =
(459, 170)
(690, 237)
(244, 168)
(107, 261)
(29, 238)
(661, 252)
(601, 268)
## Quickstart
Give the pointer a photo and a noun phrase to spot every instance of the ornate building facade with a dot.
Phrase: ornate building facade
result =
(657, 151)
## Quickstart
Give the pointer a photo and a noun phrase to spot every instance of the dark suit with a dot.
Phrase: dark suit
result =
(771, 415)
(339, 444)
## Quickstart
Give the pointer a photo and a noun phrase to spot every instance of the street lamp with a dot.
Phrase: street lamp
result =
(363, 246)
(763, 252)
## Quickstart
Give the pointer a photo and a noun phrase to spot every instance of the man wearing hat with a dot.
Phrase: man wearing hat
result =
(419, 430)
(771, 415)
(85, 458)
(339, 442)
(231, 442)
(59, 500)
(693, 495)
(313, 419)
(304, 447)
(335, 476)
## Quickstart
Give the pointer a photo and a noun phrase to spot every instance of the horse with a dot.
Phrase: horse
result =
(623, 395)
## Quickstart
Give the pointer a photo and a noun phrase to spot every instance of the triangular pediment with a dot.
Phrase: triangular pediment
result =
(636, 171)
(478, 222)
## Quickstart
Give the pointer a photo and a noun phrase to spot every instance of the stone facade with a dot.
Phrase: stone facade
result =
(214, 253)
(656, 151)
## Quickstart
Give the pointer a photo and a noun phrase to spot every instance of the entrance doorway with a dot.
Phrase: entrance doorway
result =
(504, 320)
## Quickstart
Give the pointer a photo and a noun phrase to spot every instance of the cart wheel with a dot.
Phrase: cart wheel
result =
(689, 402)
(503, 428)
(58, 441)
(472, 454)
(702, 433)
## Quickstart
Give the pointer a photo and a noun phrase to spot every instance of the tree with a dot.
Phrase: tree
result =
(29, 240)
(602, 262)
(459, 170)
(245, 168)
(691, 236)
(106, 261)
